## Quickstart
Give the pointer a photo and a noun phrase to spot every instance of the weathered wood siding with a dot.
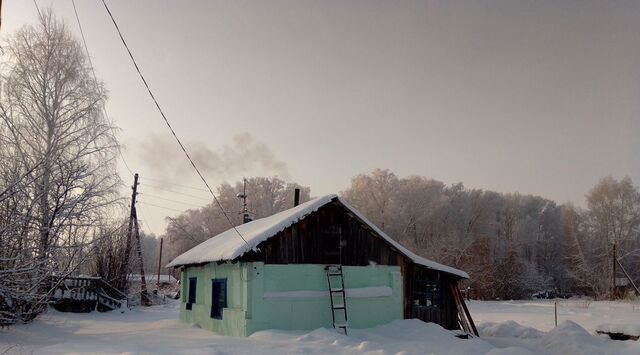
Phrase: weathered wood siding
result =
(317, 238)
(446, 314)
(334, 235)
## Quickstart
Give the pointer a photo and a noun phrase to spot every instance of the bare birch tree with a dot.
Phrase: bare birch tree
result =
(58, 160)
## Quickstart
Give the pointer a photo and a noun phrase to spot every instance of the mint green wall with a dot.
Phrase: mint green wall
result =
(307, 313)
(234, 316)
(256, 301)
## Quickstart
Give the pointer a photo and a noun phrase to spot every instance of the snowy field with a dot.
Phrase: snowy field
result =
(518, 327)
(530, 325)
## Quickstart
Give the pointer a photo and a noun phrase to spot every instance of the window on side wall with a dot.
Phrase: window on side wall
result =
(193, 283)
(428, 291)
(218, 297)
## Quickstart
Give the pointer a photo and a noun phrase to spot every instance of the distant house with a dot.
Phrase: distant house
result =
(319, 264)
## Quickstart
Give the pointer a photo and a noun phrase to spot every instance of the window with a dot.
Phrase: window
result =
(331, 245)
(427, 292)
(193, 281)
(218, 297)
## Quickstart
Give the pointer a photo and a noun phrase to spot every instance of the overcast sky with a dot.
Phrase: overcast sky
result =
(540, 97)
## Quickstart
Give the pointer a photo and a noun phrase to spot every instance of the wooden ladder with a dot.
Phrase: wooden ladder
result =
(337, 296)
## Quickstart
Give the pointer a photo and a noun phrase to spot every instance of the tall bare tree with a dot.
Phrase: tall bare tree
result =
(612, 220)
(373, 193)
(58, 157)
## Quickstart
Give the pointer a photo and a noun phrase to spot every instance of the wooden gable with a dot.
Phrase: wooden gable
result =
(331, 235)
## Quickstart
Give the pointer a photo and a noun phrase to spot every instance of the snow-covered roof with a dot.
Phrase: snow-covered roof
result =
(228, 245)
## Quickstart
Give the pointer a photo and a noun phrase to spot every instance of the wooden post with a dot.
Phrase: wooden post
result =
(124, 264)
(144, 298)
(613, 276)
(159, 265)
(555, 309)
(464, 317)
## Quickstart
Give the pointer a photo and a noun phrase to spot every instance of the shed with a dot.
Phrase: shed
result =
(318, 264)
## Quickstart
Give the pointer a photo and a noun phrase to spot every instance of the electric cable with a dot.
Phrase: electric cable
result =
(184, 150)
(95, 78)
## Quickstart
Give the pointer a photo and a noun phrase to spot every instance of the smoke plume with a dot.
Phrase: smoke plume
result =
(243, 156)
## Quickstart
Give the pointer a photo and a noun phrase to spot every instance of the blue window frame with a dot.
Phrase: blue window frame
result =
(193, 283)
(218, 297)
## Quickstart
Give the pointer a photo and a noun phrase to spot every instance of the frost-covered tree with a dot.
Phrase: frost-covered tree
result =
(482, 232)
(373, 194)
(612, 219)
(266, 196)
(57, 162)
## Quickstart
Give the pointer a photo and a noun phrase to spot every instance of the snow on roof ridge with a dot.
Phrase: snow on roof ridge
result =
(228, 245)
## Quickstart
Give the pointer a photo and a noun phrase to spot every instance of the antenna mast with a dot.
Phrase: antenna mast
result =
(243, 196)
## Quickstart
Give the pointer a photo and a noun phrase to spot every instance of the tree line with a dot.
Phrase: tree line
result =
(512, 245)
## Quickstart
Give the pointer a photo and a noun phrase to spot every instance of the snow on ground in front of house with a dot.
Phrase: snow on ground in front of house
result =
(157, 330)
(531, 325)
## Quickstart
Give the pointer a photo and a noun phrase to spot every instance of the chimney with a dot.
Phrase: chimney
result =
(296, 197)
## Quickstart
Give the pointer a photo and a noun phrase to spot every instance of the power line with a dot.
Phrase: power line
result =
(145, 221)
(178, 185)
(193, 164)
(170, 200)
(158, 206)
(95, 78)
(175, 192)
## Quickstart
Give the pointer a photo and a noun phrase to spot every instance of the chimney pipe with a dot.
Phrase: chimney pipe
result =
(296, 197)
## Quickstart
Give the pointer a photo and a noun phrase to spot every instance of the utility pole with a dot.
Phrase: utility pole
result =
(159, 264)
(124, 264)
(144, 297)
(133, 229)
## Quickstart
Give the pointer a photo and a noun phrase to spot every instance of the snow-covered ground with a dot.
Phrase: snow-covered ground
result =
(539, 314)
(531, 325)
(156, 330)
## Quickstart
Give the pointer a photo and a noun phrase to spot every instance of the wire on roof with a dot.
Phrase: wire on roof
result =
(166, 121)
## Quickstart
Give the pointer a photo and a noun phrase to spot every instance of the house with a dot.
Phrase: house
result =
(318, 264)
